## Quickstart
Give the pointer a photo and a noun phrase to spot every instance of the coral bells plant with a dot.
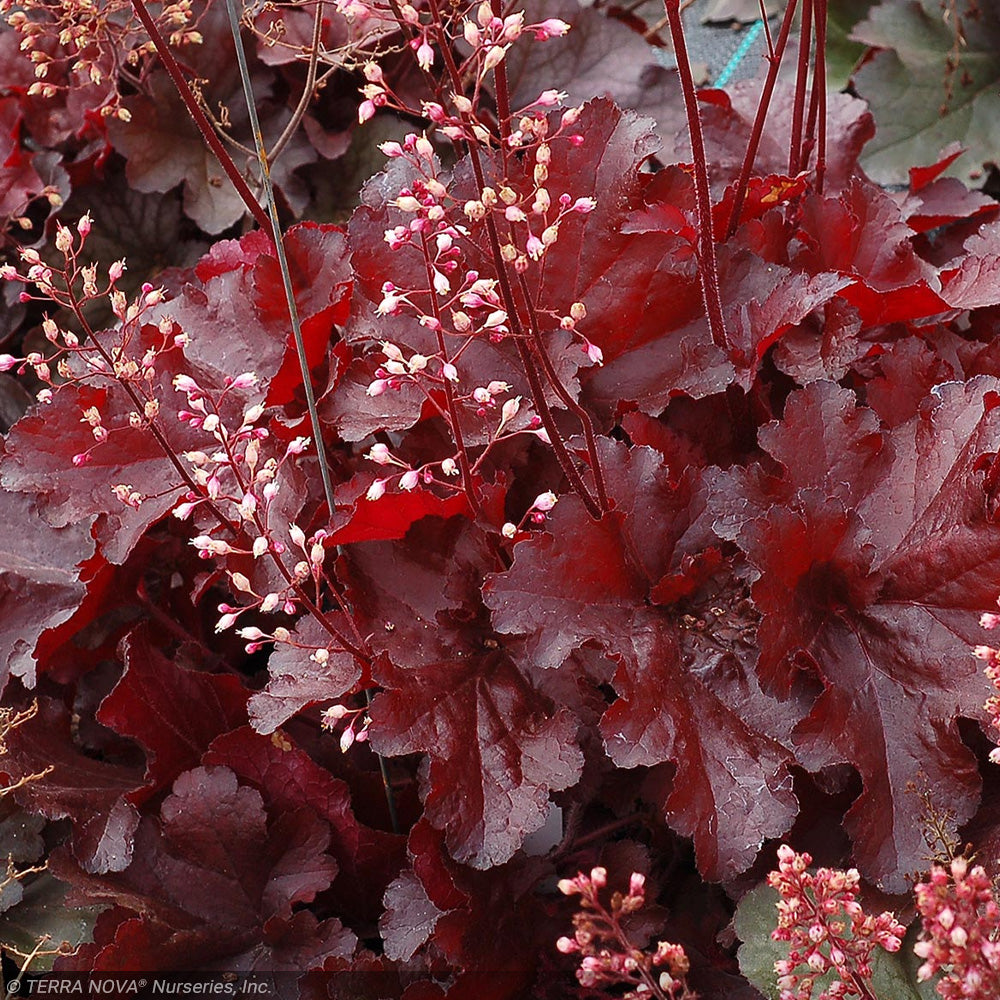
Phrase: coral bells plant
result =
(960, 935)
(593, 492)
(826, 929)
(607, 956)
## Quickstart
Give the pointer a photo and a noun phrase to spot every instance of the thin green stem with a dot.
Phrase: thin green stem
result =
(279, 245)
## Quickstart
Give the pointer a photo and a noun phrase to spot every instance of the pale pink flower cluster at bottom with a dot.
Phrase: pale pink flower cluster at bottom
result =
(961, 928)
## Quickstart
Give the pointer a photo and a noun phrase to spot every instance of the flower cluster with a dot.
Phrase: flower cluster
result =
(607, 956)
(356, 730)
(826, 929)
(961, 931)
(127, 355)
(75, 44)
(991, 656)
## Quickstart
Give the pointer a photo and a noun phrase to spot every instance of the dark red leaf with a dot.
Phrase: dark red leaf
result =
(733, 788)
(172, 712)
(289, 779)
(495, 751)
(389, 517)
(298, 680)
(866, 582)
(40, 585)
(216, 880)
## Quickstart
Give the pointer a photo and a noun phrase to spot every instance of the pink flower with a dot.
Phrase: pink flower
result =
(552, 27)
(425, 54)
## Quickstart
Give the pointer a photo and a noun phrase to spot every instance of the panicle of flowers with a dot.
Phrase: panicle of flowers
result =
(991, 656)
(126, 355)
(960, 936)
(537, 513)
(607, 955)
(356, 729)
(512, 216)
(233, 477)
(86, 44)
(826, 929)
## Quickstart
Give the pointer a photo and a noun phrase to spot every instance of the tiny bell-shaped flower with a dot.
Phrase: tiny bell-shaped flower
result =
(510, 409)
(545, 501)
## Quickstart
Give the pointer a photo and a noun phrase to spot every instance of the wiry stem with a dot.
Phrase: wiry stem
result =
(526, 352)
(449, 393)
(563, 393)
(774, 61)
(709, 268)
(198, 115)
(819, 87)
(279, 246)
(795, 158)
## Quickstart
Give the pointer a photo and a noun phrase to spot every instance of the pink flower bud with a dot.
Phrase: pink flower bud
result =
(545, 501)
(376, 491)
(7, 361)
(552, 27)
(409, 480)
(425, 54)
(225, 622)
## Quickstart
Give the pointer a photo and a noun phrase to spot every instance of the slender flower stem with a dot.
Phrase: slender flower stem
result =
(795, 158)
(566, 397)
(527, 353)
(819, 87)
(274, 224)
(709, 268)
(307, 90)
(449, 393)
(758, 125)
(198, 115)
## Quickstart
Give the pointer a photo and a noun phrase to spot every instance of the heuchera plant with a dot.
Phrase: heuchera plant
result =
(644, 516)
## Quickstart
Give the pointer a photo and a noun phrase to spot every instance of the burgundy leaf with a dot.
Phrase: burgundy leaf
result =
(215, 879)
(289, 779)
(41, 446)
(40, 585)
(172, 712)
(732, 788)
(495, 752)
(867, 583)
(298, 679)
